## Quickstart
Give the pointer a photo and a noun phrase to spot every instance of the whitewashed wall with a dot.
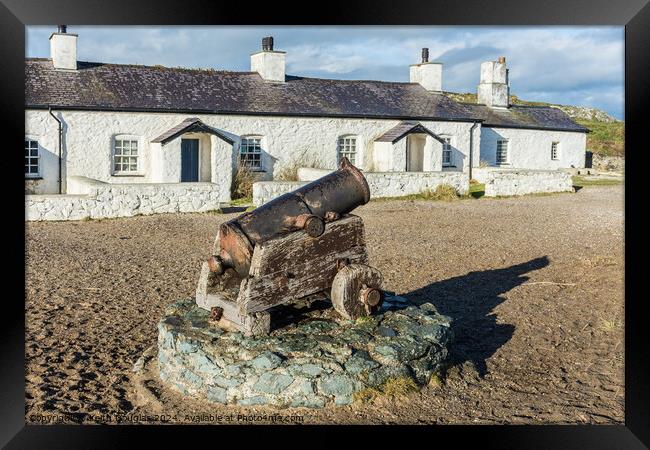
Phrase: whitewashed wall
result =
(44, 129)
(263, 191)
(500, 182)
(285, 141)
(398, 184)
(382, 184)
(531, 149)
(101, 201)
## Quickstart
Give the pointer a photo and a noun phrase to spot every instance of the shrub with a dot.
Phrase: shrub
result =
(288, 172)
(243, 182)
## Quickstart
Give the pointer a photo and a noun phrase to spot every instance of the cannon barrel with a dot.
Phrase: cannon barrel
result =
(305, 208)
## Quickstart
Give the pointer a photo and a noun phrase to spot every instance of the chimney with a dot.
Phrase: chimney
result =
(494, 89)
(63, 49)
(428, 74)
(269, 63)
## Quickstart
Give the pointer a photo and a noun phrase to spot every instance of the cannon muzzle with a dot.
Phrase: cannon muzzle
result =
(306, 208)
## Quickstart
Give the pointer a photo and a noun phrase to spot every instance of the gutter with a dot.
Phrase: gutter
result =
(60, 141)
(471, 148)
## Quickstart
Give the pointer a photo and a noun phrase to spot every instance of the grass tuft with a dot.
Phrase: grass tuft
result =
(476, 189)
(395, 387)
(580, 182)
(435, 381)
(399, 386)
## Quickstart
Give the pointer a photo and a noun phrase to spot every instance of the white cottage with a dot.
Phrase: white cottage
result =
(119, 123)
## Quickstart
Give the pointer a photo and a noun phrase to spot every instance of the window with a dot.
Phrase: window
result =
(250, 152)
(502, 152)
(347, 147)
(32, 158)
(555, 150)
(446, 152)
(125, 156)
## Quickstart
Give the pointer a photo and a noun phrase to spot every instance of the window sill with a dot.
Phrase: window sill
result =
(33, 178)
(125, 175)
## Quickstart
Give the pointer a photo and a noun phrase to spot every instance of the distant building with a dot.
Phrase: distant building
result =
(152, 124)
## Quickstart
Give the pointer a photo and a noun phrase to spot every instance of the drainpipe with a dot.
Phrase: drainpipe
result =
(471, 148)
(60, 140)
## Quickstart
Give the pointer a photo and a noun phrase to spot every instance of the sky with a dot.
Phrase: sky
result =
(581, 66)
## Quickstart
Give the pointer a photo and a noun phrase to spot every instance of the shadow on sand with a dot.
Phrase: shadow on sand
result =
(470, 300)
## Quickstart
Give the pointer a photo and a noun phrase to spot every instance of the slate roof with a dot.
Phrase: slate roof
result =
(193, 124)
(404, 128)
(123, 87)
(520, 116)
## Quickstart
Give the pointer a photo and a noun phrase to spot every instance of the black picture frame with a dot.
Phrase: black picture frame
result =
(633, 14)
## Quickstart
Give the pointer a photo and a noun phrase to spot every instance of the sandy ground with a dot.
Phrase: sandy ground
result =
(534, 284)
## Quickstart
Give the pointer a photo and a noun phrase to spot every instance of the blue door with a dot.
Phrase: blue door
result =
(189, 160)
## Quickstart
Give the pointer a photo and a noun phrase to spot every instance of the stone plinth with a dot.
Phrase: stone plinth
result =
(312, 360)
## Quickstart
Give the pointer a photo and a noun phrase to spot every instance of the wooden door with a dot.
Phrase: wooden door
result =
(189, 160)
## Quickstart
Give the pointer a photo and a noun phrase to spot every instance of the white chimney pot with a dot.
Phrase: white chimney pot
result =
(428, 75)
(63, 51)
(493, 89)
(269, 63)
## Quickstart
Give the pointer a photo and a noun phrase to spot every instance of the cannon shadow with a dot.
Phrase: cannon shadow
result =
(470, 300)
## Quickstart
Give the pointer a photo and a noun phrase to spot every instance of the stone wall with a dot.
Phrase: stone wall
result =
(319, 361)
(95, 200)
(382, 184)
(263, 191)
(608, 163)
(499, 182)
(398, 184)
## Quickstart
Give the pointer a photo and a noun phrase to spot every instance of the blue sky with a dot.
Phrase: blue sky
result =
(567, 65)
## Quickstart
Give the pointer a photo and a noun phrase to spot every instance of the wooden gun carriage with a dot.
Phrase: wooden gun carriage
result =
(302, 243)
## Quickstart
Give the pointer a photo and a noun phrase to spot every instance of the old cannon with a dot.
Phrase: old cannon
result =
(298, 245)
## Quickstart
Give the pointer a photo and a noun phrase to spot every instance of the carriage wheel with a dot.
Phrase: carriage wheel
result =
(356, 291)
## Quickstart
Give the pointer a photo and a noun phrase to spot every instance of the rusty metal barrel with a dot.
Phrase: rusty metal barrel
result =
(305, 208)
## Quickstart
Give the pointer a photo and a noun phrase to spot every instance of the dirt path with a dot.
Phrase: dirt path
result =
(534, 284)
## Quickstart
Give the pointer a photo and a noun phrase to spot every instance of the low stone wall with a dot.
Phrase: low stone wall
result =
(97, 200)
(507, 182)
(382, 184)
(608, 163)
(263, 191)
(56, 207)
(310, 174)
(398, 184)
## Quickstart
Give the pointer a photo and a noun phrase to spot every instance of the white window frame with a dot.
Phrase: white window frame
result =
(114, 155)
(555, 151)
(447, 147)
(506, 160)
(29, 165)
(256, 151)
(347, 145)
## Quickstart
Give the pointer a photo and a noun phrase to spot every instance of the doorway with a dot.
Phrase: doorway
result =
(414, 153)
(189, 160)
